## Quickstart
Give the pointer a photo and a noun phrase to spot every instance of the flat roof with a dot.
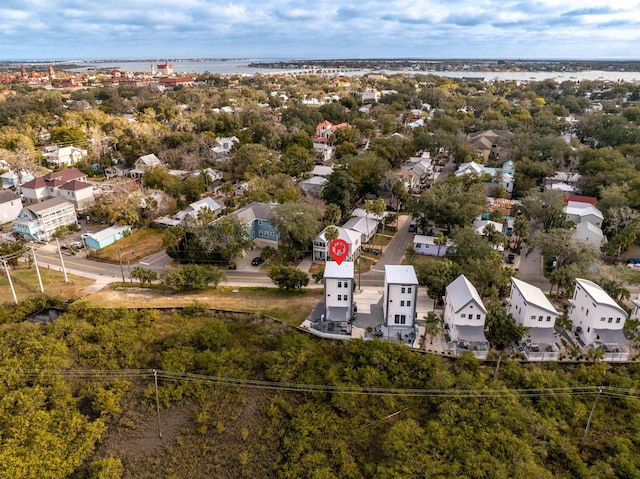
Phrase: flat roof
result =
(344, 270)
(400, 274)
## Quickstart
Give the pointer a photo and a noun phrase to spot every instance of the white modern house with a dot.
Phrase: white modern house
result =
(10, 206)
(580, 212)
(531, 308)
(321, 244)
(338, 291)
(39, 221)
(399, 302)
(224, 146)
(464, 316)
(599, 320)
(469, 168)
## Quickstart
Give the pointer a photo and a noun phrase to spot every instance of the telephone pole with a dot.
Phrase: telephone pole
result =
(13, 291)
(593, 410)
(64, 270)
(120, 261)
(35, 262)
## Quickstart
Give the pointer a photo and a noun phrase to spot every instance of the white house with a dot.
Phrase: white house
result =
(589, 233)
(11, 178)
(322, 171)
(79, 193)
(224, 146)
(598, 320)
(399, 300)
(189, 215)
(10, 206)
(338, 291)
(364, 225)
(49, 186)
(39, 221)
(464, 316)
(531, 308)
(579, 212)
(426, 245)
(470, 168)
(369, 95)
(63, 157)
(321, 245)
(144, 164)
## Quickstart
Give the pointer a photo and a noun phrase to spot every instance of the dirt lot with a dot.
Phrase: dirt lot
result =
(290, 307)
(133, 248)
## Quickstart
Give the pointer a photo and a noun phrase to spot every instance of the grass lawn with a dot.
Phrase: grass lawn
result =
(420, 259)
(136, 246)
(380, 240)
(25, 283)
(292, 308)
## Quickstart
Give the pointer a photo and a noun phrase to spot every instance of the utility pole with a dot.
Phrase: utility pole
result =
(593, 410)
(120, 261)
(13, 291)
(129, 269)
(64, 270)
(155, 383)
(35, 262)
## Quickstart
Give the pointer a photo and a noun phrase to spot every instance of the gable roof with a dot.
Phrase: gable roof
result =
(49, 206)
(598, 295)
(149, 160)
(75, 185)
(55, 178)
(461, 292)
(254, 211)
(7, 195)
(582, 209)
(347, 234)
(362, 224)
(533, 295)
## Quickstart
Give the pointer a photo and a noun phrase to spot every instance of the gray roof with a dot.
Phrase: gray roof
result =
(344, 270)
(610, 336)
(362, 224)
(7, 195)
(254, 211)
(108, 232)
(598, 295)
(49, 206)
(460, 292)
(471, 333)
(542, 335)
(400, 274)
(533, 295)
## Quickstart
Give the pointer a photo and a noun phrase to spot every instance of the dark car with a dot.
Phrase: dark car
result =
(257, 261)
(412, 228)
(511, 258)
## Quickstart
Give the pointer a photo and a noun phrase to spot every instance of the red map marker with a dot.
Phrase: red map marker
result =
(338, 249)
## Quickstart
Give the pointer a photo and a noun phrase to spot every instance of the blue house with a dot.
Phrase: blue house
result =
(106, 236)
(257, 218)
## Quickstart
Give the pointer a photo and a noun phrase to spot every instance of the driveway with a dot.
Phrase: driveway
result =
(393, 253)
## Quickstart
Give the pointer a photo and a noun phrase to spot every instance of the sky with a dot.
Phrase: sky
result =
(303, 29)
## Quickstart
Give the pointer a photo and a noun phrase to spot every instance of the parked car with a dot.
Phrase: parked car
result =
(257, 261)
(77, 245)
(633, 261)
(511, 258)
(412, 228)
(85, 235)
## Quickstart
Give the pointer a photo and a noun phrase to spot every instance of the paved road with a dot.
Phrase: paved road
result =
(393, 254)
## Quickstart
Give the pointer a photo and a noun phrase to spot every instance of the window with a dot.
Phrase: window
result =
(602, 319)
(533, 318)
(259, 222)
(339, 297)
(400, 319)
(408, 303)
(272, 233)
(403, 290)
(539, 318)
(409, 290)
(617, 320)
(548, 318)
(401, 303)
(478, 316)
(463, 315)
(610, 320)
(587, 313)
(260, 233)
(346, 297)
(339, 284)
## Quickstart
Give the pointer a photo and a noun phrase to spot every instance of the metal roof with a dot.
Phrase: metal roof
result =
(344, 270)
(598, 295)
(400, 274)
(460, 291)
(533, 295)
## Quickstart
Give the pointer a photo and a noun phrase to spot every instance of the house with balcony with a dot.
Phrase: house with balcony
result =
(11, 178)
(365, 225)
(531, 308)
(144, 164)
(38, 222)
(70, 184)
(399, 302)
(224, 147)
(580, 212)
(599, 321)
(63, 157)
(464, 316)
(257, 218)
(321, 244)
(10, 206)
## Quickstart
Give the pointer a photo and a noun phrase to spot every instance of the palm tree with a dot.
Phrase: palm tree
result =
(440, 240)
(520, 229)
(433, 326)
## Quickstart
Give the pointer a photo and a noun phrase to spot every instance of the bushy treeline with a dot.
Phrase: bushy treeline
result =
(52, 425)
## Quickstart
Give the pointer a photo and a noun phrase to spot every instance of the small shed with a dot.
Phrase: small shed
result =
(107, 236)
